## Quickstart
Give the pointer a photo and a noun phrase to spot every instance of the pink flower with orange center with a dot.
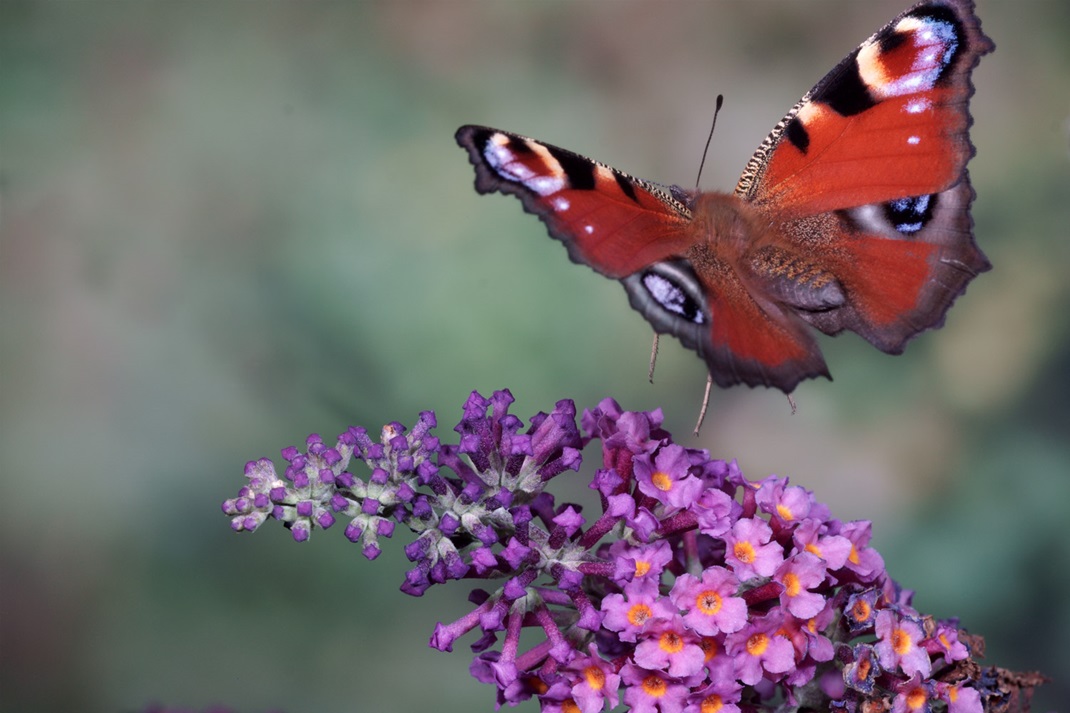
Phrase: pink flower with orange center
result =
(629, 614)
(666, 477)
(759, 649)
(709, 603)
(749, 552)
(899, 645)
(799, 574)
(667, 646)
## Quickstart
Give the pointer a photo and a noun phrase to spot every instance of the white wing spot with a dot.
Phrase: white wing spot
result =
(505, 163)
(936, 44)
(588, 229)
(560, 204)
(544, 185)
(914, 140)
(918, 106)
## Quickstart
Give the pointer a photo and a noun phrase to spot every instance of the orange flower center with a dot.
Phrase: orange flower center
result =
(661, 481)
(900, 642)
(791, 584)
(709, 602)
(709, 647)
(639, 614)
(916, 699)
(596, 677)
(654, 687)
(671, 642)
(861, 611)
(744, 552)
(711, 704)
(785, 513)
(757, 644)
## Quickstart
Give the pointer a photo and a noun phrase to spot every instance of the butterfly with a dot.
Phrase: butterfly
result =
(853, 214)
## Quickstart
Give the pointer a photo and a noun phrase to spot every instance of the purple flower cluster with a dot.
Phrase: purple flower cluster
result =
(694, 589)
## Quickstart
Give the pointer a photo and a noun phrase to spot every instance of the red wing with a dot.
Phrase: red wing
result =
(898, 266)
(890, 121)
(866, 178)
(742, 337)
(609, 220)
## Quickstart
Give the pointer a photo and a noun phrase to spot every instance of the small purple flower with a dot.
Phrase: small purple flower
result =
(652, 691)
(899, 644)
(861, 611)
(642, 562)
(666, 476)
(864, 561)
(914, 696)
(750, 554)
(860, 673)
(720, 696)
(810, 537)
(785, 504)
(710, 604)
(799, 574)
(759, 649)
(594, 683)
(629, 614)
(666, 646)
(959, 698)
(944, 641)
(715, 511)
(719, 665)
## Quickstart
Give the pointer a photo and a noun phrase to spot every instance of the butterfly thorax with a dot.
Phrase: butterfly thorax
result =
(740, 242)
(726, 229)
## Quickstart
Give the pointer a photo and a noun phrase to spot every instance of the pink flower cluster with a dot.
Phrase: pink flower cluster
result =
(694, 590)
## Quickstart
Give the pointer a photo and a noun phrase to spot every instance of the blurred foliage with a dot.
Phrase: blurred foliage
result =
(225, 225)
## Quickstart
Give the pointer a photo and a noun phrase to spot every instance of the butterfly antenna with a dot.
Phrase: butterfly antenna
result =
(716, 111)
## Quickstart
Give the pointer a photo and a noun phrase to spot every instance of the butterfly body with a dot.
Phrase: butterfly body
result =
(853, 214)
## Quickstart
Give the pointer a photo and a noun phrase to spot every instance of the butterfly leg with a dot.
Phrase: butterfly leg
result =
(791, 402)
(705, 403)
(653, 358)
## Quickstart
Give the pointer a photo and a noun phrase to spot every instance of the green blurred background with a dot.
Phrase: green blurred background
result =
(227, 225)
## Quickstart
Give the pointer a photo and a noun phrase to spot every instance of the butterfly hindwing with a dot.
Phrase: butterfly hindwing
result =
(742, 338)
(867, 174)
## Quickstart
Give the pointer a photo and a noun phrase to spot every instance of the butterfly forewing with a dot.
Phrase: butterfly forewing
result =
(607, 219)
(889, 121)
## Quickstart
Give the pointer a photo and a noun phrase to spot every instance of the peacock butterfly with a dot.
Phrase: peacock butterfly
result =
(852, 214)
